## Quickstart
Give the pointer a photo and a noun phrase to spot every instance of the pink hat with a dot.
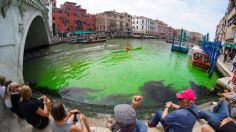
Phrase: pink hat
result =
(186, 94)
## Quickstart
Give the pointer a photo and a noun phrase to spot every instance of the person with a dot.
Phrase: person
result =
(226, 53)
(127, 47)
(233, 79)
(15, 98)
(180, 120)
(231, 100)
(67, 122)
(2, 86)
(7, 95)
(35, 111)
(219, 118)
(233, 63)
(125, 118)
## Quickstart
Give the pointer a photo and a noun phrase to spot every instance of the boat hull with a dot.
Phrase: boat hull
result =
(198, 59)
(199, 65)
(93, 41)
(118, 51)
(179, 49)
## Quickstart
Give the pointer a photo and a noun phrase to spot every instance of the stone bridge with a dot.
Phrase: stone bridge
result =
(23, 25)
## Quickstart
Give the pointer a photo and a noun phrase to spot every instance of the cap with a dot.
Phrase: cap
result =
(186, 94)
(125, 115)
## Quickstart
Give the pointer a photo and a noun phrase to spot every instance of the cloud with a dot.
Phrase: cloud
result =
(194, 15)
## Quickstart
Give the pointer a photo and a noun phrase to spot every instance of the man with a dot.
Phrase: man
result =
(125, 117)
(180, 120)
(231, 98)
(219, 118)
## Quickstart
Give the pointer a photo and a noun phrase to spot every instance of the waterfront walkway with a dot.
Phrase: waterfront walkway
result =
(225, 68)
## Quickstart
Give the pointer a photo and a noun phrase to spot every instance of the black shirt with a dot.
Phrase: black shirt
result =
(15, 98)
(29, 108)
(229, 127)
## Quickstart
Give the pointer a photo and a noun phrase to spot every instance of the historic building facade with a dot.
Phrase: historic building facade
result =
(226, 29)
(115, 23)
(71, 17)
(143, 26)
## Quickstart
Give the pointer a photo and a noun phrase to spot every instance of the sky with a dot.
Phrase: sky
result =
(194, 15)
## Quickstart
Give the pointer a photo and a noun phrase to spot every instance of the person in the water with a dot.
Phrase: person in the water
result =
(128, 47)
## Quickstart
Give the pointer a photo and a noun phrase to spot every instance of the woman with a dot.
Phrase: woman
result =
(2, 86)
(7, 95)
(67, 122)
(35, 111)
(15, 98)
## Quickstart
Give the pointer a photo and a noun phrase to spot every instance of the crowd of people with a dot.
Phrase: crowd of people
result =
(181, 117)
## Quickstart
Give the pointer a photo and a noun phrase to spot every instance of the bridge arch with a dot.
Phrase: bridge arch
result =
(34, 34)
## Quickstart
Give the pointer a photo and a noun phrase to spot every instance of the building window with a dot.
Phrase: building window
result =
(142, 26)
(137, 27)
(137, 22)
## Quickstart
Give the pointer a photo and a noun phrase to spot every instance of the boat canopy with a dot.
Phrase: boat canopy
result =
(230, 45)
(84, 32)
(198, 50)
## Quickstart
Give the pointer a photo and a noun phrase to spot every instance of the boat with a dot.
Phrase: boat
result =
(93, 40)
(199, 59)
(179, 47)
(124, 50)
(72, 41)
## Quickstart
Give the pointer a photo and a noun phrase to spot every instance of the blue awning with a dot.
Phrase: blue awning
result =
(84, 32)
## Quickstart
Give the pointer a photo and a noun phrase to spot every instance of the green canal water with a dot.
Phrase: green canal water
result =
(91, 73)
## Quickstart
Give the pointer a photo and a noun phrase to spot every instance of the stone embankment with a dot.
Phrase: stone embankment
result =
(9, 122)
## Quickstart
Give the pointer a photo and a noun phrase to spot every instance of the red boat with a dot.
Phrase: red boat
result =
(199, 59)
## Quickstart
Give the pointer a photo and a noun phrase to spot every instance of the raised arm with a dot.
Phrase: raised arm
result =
(136, 101)
(165, 112)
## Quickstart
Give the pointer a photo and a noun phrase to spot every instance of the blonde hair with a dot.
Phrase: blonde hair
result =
(25, 92)
(13, 86)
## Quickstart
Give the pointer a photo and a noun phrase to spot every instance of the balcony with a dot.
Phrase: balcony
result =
(232, 20)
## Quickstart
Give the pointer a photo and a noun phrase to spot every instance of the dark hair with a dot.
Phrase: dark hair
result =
(58, 111)
(7, 83)
(6, 92)
(2, 80)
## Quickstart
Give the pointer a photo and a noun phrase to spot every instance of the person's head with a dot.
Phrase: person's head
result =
(186, 97)
(2, 80)
(125, 116)
(58, 111)
(14, 87)
(26, 92)
(234, 89)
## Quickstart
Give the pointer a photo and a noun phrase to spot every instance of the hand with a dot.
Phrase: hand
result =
(224, 94)
(81, 118)
(42, 97)
(137, 100)
(168, 104)
(226, 91)
(73, 111)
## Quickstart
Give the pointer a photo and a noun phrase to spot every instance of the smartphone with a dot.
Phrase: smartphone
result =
(75, 117)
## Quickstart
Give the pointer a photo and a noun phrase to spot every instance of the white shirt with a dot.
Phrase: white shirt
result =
(2, 91)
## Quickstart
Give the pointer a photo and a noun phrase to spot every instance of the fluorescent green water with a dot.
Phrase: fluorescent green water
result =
(95, 67)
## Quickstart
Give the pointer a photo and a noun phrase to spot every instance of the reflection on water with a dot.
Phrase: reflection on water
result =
(100, 76)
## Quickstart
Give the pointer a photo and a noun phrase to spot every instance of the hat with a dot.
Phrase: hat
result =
(186, 94)
(125, 115)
